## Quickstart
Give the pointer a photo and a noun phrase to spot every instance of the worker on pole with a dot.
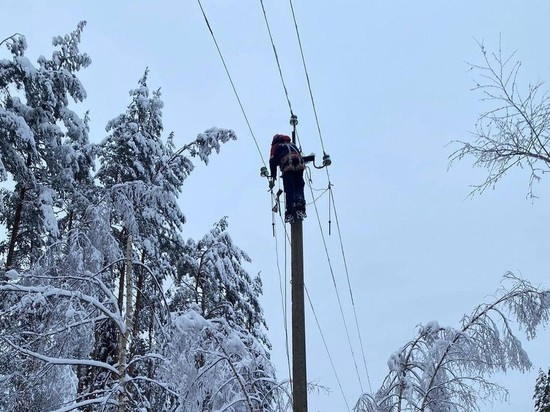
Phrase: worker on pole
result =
(286, 155)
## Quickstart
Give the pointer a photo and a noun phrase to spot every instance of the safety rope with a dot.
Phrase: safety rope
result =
(231, 81)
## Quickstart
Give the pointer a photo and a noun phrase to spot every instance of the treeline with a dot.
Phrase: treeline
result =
(103, 304)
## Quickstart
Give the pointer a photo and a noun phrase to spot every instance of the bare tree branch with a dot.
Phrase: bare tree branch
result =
(516, 132)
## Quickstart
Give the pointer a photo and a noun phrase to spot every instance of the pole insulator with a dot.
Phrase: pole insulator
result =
(293, 120)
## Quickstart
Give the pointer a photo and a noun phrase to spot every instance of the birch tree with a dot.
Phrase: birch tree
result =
(514, 130)
(449, 369)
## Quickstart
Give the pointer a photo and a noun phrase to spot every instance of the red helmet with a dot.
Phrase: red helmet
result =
(280, 138)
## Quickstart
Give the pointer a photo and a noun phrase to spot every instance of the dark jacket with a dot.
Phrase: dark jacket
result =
(284, 154)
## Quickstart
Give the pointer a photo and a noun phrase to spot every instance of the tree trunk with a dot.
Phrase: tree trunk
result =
(137, 310)
(124, 334)
(15, 228)
(121, 288)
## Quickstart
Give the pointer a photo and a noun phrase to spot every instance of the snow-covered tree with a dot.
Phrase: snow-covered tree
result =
(212, 276)
(44, 147)
(448, 369)
(141, 176)
(542, 392)
(97, 314)
(216, 366)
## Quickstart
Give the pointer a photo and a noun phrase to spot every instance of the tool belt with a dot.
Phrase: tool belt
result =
(293, 161)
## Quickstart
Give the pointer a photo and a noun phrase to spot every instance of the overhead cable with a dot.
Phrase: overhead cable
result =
(307, 76)
(231, 81)
(331, 194)
(335, 287)
(326, 347)
(276, 58)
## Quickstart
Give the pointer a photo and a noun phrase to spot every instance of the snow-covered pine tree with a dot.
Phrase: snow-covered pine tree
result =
(142, 176)
(141, 189)
(63, 312)
(44, 152)
(44, 147)
(542, 392)
(212, 276)
(232, 351)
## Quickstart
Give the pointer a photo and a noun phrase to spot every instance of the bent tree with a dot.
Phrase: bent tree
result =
(449, 369)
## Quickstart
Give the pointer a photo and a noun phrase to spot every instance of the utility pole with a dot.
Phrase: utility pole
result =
(299, 382)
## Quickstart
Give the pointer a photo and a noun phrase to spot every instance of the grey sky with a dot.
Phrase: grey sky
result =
(392, 89)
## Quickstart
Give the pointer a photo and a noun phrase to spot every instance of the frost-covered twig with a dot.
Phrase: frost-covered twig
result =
(515, 131)
(60, 361)
(448, 368)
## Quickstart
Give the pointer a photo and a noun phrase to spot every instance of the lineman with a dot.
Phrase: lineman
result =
(287, 156)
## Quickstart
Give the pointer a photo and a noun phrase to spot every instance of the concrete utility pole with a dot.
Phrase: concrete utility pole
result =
(299, 382)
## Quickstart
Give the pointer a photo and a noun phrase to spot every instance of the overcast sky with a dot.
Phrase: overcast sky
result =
(392, 89)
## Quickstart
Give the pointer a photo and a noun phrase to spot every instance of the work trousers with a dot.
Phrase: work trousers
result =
(293, 182)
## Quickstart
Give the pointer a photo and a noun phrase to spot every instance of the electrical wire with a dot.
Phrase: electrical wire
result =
(284, 305)
(231, 81)
(284, 300)
(307, 75)
(276, 57)
(314, 201)
(326, 347)
(331, 194)
(336, 288)
(330, 189)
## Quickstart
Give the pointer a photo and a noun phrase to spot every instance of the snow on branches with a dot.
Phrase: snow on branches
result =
(448, 369)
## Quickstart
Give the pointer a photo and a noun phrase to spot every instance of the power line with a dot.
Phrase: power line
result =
(326, 347)
(336, 287)
(330, 189)
(284, 299)
(231, 81)
(331, 194)
(328, 177)
(307, 75)
(276, 58)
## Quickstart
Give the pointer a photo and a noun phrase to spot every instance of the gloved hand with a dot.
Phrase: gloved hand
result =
(271, 183)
